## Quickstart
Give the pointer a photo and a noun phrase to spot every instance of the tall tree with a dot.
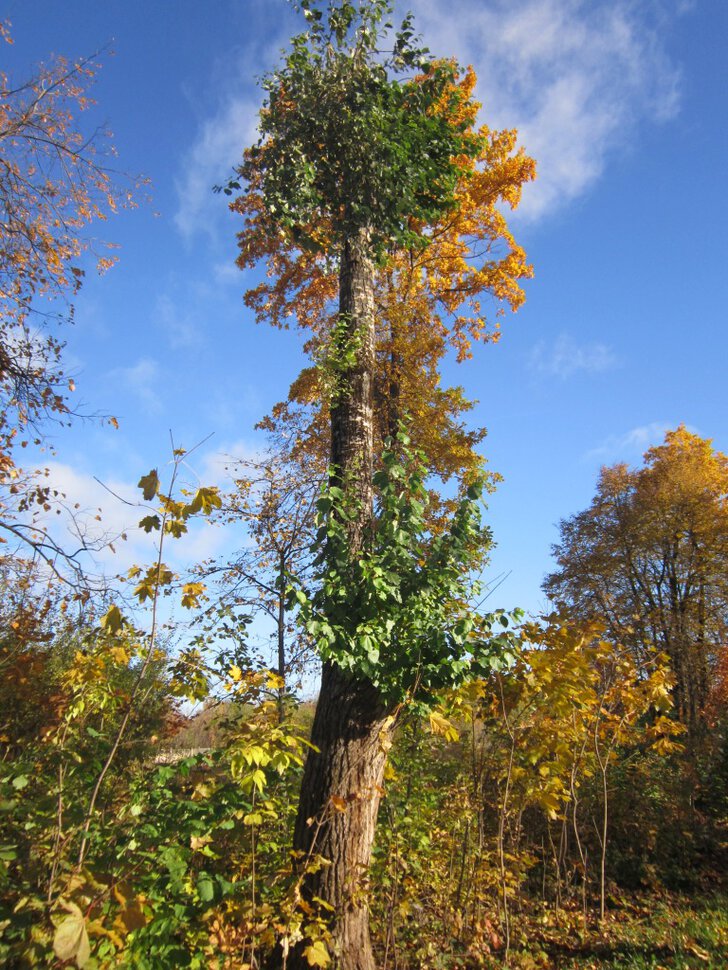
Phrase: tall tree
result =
(362, 153)
(429, 300)
(650, 557)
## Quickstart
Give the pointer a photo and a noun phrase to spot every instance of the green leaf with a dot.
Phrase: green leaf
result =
(150, 523)
(205, 888)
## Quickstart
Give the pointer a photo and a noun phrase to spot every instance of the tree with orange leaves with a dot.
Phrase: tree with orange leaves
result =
(55, 181)
(429, 300)
(367, 184)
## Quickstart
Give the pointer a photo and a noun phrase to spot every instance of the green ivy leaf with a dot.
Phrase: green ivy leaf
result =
(205, 888)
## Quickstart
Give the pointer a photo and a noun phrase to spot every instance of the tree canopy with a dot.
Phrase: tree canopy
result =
(650, 556)
(439, 290)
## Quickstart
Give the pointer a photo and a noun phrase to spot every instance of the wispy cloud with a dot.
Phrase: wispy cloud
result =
(177, 323)
(565, 357)
(574, 76)
(142, 379)
(217, 466)
(107, 515)
(225, 131)
(217, 149)
(227, 273)
(102, 514)
(629, 446)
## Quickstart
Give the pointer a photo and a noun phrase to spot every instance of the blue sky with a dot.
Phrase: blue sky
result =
(623, 335)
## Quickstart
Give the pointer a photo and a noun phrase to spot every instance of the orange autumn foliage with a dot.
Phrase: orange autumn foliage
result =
(430, 301)
(55, 180)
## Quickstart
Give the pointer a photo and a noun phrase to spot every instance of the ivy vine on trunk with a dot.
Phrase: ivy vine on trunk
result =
(358, 155)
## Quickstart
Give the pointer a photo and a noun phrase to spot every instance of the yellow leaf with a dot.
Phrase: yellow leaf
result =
(120, 655)
(317, 954)
(112, 621)
(191, 593)
(440, 725)
(274, 681)
(70, 941)
(149, 484)
(198, 842)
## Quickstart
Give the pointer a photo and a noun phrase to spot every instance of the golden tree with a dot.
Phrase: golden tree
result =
(650, 557)
(376, 188)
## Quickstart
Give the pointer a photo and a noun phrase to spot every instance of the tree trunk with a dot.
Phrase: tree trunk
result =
(337, 812)
(352, 409)
(342, 781)
(281, 624)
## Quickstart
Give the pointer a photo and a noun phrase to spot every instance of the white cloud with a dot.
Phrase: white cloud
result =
(217, 149)
(574, 76)
(227, 273)
(565, 358)
(630, 445)
(216, 466)
(143, 379)
(100, 513)
(224, 132)
(106, 511)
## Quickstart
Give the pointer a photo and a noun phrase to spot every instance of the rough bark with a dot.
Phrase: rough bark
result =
(340, 796)
(352, 409)
(342, 781)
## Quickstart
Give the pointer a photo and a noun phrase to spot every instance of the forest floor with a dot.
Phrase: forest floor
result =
(667, 932)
